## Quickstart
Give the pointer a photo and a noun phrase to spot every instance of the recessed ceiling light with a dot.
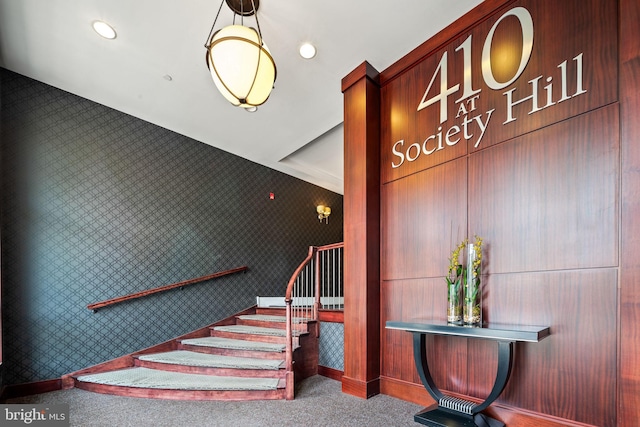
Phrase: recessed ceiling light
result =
(307, 51)
(104, 29)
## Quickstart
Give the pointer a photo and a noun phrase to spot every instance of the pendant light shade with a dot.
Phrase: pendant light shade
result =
(241, 65)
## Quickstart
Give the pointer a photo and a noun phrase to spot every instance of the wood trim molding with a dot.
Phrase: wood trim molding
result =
(472, 18)
(106, 303)
(28, 389)
(334, 374)
(331, 316)
(361, 389)
(417, 394)
(363, 70)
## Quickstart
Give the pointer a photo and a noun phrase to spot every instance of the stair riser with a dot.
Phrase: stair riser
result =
(271, 311)
(250, 337)
(274, 325)
(226, 372)
(230, 395)
(281, 312)
(271, 355)
(302, 327)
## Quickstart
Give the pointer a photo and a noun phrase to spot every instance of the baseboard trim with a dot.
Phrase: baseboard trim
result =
(411, 392)
(334, 374)
(416, 393)
(361, 389)
(28, 389)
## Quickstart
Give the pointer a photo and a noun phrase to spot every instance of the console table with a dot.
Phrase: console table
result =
(454, 412)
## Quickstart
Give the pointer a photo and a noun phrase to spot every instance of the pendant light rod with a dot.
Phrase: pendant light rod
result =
(206, 43)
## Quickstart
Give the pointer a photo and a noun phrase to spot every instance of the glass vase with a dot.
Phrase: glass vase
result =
(454, 301)
(472, 306)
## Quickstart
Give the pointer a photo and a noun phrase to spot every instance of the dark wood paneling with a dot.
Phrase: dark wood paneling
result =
(577, 363)
(629, 317)
(554, 194)
(573, 366)
(553, 21)
(548, 200)
(407, 300)
(423, 219)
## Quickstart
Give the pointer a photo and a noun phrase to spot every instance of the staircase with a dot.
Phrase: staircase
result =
(239, 358)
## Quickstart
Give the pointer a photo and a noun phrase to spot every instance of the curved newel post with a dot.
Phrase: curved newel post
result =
(290, 381)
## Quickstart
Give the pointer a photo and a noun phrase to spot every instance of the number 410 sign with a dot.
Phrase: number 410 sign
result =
(470, 124)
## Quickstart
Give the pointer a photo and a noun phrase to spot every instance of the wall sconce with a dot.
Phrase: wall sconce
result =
(240, 63)
(323, 213)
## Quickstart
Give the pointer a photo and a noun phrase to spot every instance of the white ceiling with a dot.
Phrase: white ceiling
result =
(298, 131)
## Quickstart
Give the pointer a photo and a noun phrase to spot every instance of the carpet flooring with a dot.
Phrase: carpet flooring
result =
(319, 403)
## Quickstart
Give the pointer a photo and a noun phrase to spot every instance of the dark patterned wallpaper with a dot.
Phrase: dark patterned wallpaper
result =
(331, 351)
(98, 204)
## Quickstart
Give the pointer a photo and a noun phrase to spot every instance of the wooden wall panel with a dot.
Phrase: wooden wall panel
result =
(544, 191)
(571, 374)
(406, 300)
(577, 363)
(418, 227)
(549, 200)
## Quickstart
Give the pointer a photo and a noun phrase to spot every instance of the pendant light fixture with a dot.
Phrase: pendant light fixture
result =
(240, 63)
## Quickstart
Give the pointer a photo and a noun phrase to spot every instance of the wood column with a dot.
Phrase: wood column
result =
(629, 292)
(361, 91)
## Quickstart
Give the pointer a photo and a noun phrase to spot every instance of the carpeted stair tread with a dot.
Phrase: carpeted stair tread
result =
(156, 379)
(231, 344)
(254, 330)
(191, 358)
(270, 318)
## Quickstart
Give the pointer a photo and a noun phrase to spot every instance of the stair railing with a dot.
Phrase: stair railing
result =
(315, 284)
(117, 300)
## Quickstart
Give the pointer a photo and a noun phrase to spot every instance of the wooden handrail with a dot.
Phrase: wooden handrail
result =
(331, 246)
(117, 300)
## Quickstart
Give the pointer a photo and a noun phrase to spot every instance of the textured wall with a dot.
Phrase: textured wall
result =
(98, 204)
(331, 346)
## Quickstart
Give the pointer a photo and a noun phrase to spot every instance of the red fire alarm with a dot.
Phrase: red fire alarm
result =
(272, 196)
